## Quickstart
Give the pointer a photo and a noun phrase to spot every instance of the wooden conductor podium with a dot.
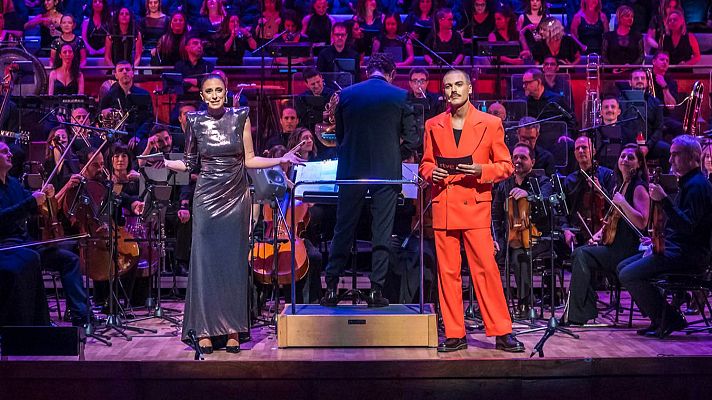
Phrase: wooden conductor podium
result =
(398, 325)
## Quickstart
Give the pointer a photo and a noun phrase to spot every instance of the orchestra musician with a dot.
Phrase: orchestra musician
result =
(462, 205)
(523, 184)
(57, 142)
(22, 300)
(616, 240)
(529, 135)
(686, 245)
(582, 198)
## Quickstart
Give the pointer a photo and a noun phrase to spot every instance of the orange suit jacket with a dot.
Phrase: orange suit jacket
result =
(463, 201)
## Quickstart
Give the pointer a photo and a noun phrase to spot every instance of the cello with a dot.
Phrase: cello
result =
(263, 253)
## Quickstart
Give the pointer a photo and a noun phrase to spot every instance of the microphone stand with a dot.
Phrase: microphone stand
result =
(441, 61)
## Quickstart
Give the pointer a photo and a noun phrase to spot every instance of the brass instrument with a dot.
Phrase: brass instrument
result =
(113, 119)
(592, 102)
(690, 125)
(325, 131)
(651, 81)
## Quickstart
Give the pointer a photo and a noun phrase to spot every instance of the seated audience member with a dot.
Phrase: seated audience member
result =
(95, 27)
(444, 40)
(556, 43)
(480, 21)
(153, 25)
(543, 159)
(212, 16)
(686, 237)
(68, 37)
(553, 81)
(623, 45)
(234, 41)
(192, 65)
(680, 44)
(269, 22)
(317, 25)
(419, 21)
(505, 30)
(656, 28)
(528, 25)
(124, 41)
(588, 26)
(390, 41)
(48, 23)
(168, 47)
(66, 78)
(307, 151)
(370, 19)
(328, 57)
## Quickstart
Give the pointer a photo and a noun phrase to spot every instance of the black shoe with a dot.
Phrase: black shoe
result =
(233, 349)
(244, 337)
(676, 322)
(330, 299)
(206, 349)
(376, 299)
(509, 344)
(650, 330)
(452, 344)
(522, 311)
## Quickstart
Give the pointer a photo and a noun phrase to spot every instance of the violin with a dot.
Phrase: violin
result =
(50, 227)
(656, 225)
(263, 252)
(610, 221)
(592, 205)
(521, 229)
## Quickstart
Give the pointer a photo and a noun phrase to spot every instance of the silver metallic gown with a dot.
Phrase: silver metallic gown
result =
(217, 284)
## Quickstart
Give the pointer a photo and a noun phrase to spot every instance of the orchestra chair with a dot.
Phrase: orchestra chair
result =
(677, 284)
(53, 277)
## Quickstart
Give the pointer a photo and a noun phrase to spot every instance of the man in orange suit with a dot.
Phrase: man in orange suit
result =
(464, 154)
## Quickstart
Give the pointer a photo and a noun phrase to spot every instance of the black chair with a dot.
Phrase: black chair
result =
(679, 284)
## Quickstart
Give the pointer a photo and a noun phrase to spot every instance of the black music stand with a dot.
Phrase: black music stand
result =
(498, 50)
(291, 50)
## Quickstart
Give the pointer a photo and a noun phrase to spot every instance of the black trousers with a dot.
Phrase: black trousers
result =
(348, 212)
(22, 297)
(585, 260)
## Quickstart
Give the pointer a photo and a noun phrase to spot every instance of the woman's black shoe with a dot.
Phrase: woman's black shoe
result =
(206, 349)
(453, 344)
(232, 349)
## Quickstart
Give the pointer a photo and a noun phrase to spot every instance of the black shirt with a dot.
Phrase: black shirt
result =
(325, 61)
(544, 159)
(16, 204)
(541, 109)
(189, 70)
(689, 219)
(137, 102)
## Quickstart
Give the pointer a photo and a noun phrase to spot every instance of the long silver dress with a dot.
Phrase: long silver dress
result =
(217, 284)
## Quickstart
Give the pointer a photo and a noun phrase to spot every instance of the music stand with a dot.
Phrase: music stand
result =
(498, 50)
(25, 69)
(345, 65)
(291, 50)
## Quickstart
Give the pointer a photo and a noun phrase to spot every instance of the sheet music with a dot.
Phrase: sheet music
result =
(316, 171)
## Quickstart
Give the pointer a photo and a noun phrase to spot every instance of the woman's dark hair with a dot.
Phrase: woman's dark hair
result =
(116, 28)
(294, 140)
(170, 40)
(277, 6)
(120, 148)
(436, 19)
(291, 15)
(105, 12)
(209, 77)
(415, 8)
(74, 71)
(507, 12)
(641, 172)
(361, 9)
(399, 24)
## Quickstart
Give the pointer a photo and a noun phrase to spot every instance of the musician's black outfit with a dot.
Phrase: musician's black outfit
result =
(576, 187)
(139, 105)
(687, 248)
(586, 259)
(22, 299)
(372, 119)
(518, 257)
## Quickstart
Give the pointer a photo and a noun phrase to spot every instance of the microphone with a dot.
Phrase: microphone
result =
(550, 330)
(562, 110)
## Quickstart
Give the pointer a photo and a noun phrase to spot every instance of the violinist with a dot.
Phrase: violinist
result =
(521, 185)
(631, 197)
(57, 142)
(582, 198)
(686, 238)
(20, 278)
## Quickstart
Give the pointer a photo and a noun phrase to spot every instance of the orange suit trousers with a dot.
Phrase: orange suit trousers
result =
(479, 249)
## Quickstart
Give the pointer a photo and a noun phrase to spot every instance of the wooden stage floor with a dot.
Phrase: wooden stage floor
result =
(604, 362)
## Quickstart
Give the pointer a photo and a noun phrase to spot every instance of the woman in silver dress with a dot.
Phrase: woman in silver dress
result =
(219, 147)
